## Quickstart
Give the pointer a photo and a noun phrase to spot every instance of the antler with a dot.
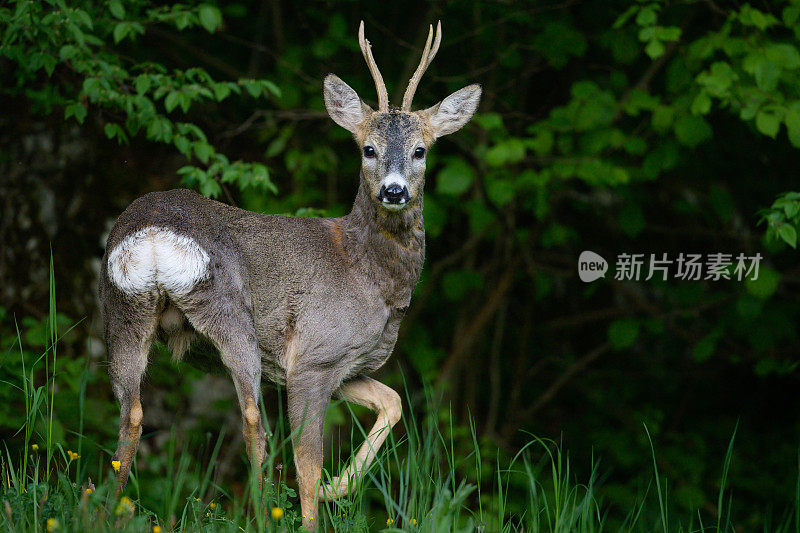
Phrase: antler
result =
(427, 56)
(366, 49)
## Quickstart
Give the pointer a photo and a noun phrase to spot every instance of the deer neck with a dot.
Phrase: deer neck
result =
(388, 245)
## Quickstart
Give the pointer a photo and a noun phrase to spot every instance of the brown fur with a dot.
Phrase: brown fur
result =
(337, 233)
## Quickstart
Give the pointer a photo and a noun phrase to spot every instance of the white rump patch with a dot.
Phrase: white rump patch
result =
(157, 258)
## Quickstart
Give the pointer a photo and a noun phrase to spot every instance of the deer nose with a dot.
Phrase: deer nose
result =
(393, 194)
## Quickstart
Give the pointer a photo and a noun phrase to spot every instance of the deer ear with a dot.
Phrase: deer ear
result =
(343, 104)
(453, 112)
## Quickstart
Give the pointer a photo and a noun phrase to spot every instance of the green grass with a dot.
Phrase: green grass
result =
(430, 477)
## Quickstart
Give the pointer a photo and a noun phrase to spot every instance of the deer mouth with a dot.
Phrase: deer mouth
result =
(394, 197)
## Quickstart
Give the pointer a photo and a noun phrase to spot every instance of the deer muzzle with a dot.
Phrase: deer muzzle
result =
(394, 193)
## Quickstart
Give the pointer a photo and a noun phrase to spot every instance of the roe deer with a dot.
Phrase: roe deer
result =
(311, 303)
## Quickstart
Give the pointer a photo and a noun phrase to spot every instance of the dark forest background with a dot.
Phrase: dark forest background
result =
(617, 127)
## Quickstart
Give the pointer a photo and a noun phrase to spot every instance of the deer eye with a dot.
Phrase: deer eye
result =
(419, 153)
(369, 151)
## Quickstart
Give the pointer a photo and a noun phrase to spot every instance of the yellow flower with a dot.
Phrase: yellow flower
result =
(52, 524)
(115, 465)
(277, 513)
(156, 529)
(125, 506)
(212, 505)
(89, 491)
(389, 522)
(413, 521)
(197, 499)
(208, 513)
(72, 455)
(35, 447)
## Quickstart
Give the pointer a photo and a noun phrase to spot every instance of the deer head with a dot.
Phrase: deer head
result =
(394, 142)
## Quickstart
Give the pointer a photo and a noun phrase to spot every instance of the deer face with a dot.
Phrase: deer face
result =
(393, 148)
(394, 144)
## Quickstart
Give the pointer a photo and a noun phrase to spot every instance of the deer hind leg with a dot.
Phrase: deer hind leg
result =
(130, 330)
(229, 326)
(247, 382)
(388, 406)
(308, 395)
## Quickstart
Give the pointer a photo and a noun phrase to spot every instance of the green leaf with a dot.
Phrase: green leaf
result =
(654, 49)
(261, 175)
(67, 52)
(159, 129)
(663, 116)
(792, 209)
(120, 31)
(203, 151)
(142, 83)
(788, 233)
(172, 101)
(127, 29)
(639, 100)
(792, 121)
(635, 145)
(701, 104)
(749, 16)
(784, 55)
(765, 71)
(221, 91)
(542, 143)
(500, 191)
(705, 347)
(271, 87)
(455, 178)
(489, 121)
(768, 122)
(507, 151)
(668, 33)
(624, 17)
(692, 130)
(623, 333)
(646, 17)
(791, 15)
(115, 130)
(183, 145)
(210, 188)
(253, 87)
(75, 110)
(117, 9)
(558, 42)
(765, 284)
(718, 79)
(210, 17)
(83, 17)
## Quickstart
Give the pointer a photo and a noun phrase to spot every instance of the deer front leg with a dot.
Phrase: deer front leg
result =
(387, 404)
(308, 397)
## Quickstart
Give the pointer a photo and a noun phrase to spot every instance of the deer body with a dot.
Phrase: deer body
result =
(312, 303)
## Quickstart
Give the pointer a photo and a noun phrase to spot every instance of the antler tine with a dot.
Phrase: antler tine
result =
(366, 50)
(436, 42)
(427, 57)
